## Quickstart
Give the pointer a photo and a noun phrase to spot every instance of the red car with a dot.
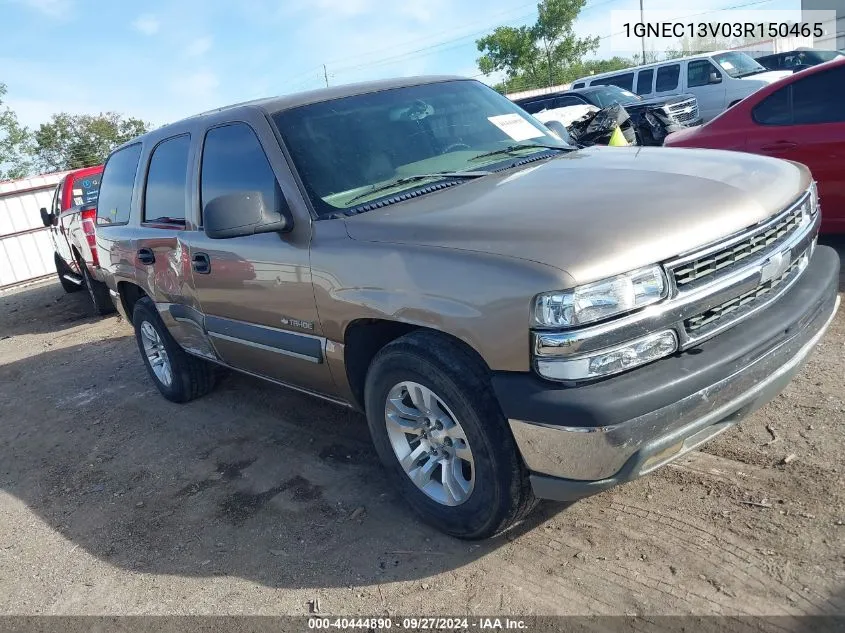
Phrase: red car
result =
(799, 118)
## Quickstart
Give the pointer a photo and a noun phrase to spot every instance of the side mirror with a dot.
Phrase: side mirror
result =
(46, 218)
(715, 78)
(560, 130)
(244, 213)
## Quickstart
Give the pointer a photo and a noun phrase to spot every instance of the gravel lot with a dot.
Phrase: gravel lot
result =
(256, 500)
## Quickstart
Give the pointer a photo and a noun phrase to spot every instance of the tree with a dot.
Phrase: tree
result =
(539, 54)
(72, 141)
(15, 143)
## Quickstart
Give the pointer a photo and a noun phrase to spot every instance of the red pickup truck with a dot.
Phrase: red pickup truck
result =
(72, 219)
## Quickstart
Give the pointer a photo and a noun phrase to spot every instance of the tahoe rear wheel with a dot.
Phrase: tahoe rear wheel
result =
(179, 376)
(98, 292)
(438, 429)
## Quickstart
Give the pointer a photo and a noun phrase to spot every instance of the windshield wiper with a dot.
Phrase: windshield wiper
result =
(510, 149)
(416, 177)
(165, 219)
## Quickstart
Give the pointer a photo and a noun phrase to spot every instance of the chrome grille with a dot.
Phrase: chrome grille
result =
(721, 260)
(746, 301)
(678, 114)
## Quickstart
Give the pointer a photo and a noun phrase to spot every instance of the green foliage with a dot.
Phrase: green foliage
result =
(15, 143)
(72, 141)
(539, 55)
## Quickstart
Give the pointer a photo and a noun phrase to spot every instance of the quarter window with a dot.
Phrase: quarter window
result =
(667, 78)
(167, 181)
(116, 186)
(644, 81)
(233, 161)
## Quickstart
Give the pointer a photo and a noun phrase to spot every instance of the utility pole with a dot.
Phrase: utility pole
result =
(326, 73)
(642, 21)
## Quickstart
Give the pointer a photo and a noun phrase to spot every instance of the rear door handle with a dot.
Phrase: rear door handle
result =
(201, 263)
(146, 256)
(780, 146)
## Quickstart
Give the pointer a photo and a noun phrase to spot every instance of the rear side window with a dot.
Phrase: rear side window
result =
(580, 84)
(819, 98)
(774, 109)
(167, 181)
(569, 100)
(625, 81)
(234, 162)
(644, 81)
(667, 78)
(116, 186)
(85, 189)
(533, 107)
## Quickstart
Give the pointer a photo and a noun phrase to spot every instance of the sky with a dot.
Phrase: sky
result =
(164, 60)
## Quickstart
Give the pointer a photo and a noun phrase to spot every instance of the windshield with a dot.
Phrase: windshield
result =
(348, 151)
(85, 189)
(608, 95)
(823, 56)
(738, 65)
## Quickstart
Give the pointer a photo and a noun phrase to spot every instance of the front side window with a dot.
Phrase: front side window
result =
(644, 81)
(118, 181)
(167, 181)
(233, 162)
(774, 109)
(667, 78)
(354, 150)
(699, 71)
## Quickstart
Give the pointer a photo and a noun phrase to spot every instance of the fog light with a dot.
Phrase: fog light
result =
(611, 361)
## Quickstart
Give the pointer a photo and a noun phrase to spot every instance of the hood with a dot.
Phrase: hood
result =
(660, 101)
(768, 77)
(597, 212)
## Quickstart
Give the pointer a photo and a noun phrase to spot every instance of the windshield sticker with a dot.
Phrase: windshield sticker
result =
(515, 126)
(726, 65)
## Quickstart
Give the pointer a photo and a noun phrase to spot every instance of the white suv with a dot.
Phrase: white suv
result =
(718, 80)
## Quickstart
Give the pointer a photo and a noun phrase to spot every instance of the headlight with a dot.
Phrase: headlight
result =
(600, 300)
(814, 199)
(610, 361)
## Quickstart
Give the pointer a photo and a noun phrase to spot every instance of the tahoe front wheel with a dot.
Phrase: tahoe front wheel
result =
(438, 429)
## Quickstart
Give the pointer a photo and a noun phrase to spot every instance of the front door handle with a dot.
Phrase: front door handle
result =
(201, 263)
(146, 256)
(780, 146)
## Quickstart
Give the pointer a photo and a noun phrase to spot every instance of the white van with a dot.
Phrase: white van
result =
(718, 80)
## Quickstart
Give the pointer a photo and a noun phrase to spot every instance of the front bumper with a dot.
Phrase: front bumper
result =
(581, 440)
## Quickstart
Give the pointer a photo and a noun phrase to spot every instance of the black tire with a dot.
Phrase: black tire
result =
(63, 269)
(191, 377)
(98, 292)
(502, 493)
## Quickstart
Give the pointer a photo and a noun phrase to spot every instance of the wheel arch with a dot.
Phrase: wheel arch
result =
(364, 338)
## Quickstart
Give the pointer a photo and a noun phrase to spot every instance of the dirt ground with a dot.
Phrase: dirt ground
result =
(257, 500)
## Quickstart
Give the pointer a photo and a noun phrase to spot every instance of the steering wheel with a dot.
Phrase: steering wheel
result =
(454, 146)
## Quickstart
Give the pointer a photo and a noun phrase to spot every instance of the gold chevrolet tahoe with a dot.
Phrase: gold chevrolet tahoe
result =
(517, 318)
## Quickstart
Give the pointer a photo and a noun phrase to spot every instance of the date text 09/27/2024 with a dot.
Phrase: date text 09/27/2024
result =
(418, 623)
(722, 29)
